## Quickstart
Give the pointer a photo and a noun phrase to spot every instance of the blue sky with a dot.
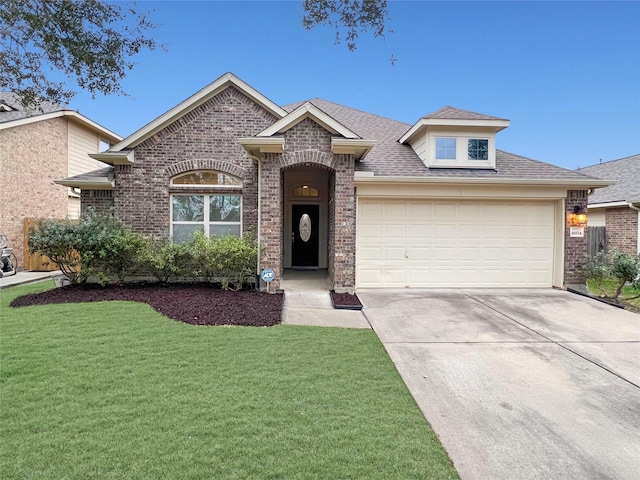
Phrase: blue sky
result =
(567, 74)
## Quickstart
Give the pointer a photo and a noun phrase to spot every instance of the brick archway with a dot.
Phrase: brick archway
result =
(218, 165)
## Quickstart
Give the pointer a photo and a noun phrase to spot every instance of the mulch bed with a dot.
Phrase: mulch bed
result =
(345, 301)
(193, 304)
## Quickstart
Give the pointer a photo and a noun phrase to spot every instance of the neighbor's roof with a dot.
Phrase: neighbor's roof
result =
(392, 159)
(18, 112)
(16, 115)
(625, 172)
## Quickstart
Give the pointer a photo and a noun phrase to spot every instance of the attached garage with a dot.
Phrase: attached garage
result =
(456, 243)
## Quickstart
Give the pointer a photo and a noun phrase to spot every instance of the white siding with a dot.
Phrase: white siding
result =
(82, 141)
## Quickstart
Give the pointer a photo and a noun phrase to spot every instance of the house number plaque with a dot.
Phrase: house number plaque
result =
(305, 227)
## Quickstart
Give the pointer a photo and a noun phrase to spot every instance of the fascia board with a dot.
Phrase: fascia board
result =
(308, 110)
(358, 147)
(105, 132)
(115, 158)
(193, 102)
(90, 183)
(423, 123)
(608, 204)
(576, 184)
(255, 145)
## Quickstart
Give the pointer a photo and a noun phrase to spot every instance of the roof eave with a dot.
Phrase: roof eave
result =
(104, 132)
(91, 183)
(495, 125)
(368, 177)
(126, 157)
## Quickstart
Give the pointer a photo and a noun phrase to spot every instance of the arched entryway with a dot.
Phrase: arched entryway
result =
(306, 217)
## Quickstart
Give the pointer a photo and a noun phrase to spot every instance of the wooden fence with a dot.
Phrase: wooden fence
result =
(597, 240)
(37, 263)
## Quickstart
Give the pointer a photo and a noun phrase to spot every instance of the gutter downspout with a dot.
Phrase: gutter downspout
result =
(259, 163)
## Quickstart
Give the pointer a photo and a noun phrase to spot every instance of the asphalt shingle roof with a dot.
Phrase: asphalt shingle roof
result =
(106, 172)
(625, 172)
(20, 112)
(452, 113)
(391, 158)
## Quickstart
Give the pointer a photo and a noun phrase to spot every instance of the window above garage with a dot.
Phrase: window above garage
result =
(454, 138)
(453, 150)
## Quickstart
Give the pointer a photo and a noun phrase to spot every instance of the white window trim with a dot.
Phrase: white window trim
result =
(205, 185)
(206, 223)
(462, 157)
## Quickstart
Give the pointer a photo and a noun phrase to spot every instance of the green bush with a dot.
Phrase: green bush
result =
(623, 267)
(165, 260)
(97, 245)
(229, 260)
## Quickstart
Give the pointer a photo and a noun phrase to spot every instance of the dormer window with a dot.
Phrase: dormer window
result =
(454, 138)
(457, 150)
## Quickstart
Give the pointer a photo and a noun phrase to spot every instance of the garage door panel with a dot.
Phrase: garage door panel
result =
(455, 243)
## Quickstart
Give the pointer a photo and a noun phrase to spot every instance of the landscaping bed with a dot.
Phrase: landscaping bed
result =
(193, 304)
(345, 301)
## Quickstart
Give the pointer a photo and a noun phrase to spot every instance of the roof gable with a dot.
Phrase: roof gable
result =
(304, 111)
(193, 102)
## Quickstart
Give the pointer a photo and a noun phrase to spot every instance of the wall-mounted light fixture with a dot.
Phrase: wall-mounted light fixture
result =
(577, 217)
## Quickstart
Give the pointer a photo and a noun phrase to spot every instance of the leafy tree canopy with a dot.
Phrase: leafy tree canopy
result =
(348, 17)
(90, 42)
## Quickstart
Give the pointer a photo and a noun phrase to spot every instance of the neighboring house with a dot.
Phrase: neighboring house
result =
(37, 147)
(617, 207)
(376, 202)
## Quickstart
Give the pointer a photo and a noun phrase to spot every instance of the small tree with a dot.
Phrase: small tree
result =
(622, 267)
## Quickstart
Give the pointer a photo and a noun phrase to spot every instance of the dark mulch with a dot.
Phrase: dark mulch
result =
(345, 301)
(194, 304)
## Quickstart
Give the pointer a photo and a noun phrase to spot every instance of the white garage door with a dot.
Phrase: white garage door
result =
(454, 243)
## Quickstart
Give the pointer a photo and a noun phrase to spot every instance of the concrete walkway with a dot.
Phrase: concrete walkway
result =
(517, 384)
(307, 302)
(22, 278)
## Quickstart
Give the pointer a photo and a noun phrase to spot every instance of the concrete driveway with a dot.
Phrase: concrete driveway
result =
(535, 384)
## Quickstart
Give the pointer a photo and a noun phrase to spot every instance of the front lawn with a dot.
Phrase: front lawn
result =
(114, 390)
(610, 288)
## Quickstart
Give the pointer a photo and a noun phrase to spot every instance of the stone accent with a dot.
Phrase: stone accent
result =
(575, 248)
(204, 138)
(622, 229)
(33, 156)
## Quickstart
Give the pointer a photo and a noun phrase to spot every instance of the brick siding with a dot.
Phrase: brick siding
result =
(575, 248)
(205, 138)
(98, 200)
(33, 156)
(622, 229)
(309, 144)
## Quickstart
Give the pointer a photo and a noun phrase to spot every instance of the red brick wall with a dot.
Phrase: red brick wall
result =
(622, 229)
(575, 248)
(205, 138)
(33, 156)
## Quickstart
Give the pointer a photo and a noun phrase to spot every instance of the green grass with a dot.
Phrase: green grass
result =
(610, 289)
(114, 390)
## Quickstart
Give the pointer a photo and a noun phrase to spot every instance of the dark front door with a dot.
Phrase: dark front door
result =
(304, 238)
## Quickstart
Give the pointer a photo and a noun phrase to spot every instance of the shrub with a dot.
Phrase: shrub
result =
(229, 260)
(57, 239)
(98, 245)
(623, 267)
(165, 259)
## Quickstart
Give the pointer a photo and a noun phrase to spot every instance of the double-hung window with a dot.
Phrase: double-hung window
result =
(216, 213)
